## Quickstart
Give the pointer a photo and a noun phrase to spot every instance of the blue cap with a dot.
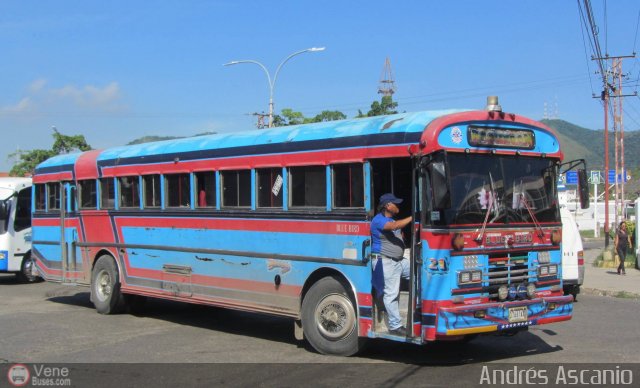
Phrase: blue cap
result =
(389, 198)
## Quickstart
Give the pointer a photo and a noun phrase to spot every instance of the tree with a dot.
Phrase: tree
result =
(286, 117)
(386, 106)
(62, 144)
(326, 115)
(290, 117)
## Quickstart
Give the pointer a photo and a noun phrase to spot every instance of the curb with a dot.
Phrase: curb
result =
(613, 294)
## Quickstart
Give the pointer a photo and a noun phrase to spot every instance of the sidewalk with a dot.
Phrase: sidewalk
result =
(606, 281)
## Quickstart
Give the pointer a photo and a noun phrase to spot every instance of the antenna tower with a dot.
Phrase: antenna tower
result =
(387, 85)
(263, 119)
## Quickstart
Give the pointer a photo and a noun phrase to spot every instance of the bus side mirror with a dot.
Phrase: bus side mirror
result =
(583, 188)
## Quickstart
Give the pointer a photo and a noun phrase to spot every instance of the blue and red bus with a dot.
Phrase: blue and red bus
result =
(277, 221)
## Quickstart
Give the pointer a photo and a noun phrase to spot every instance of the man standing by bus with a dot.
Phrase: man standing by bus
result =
(387, 248)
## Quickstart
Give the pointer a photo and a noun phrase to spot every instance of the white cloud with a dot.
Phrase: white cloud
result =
(21, 106)
(37, 85)
(89, 95)
(69, 99)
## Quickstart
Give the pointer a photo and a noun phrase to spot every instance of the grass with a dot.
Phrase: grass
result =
(591, 233)
(629, 261)
(626, 295)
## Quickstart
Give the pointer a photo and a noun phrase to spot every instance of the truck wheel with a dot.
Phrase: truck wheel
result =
(105, 287)
(25, 275)
(329, 319)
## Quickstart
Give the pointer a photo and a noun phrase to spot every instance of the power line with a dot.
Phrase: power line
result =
(636, 37)
(584, 45)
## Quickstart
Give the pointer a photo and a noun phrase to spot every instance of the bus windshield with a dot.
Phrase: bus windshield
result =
(498, 189)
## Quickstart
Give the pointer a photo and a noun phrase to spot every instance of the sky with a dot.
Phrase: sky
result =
(115, 71)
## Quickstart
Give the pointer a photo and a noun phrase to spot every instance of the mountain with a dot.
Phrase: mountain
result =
(152, 138)
(582, 143)
(149, 139)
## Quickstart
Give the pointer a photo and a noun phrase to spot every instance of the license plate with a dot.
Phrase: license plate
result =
(518, 314)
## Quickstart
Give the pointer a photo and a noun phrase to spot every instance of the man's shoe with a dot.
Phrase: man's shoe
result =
(401, 331)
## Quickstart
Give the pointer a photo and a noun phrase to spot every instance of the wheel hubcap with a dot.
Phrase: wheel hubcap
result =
(103, 286)
(335, 317)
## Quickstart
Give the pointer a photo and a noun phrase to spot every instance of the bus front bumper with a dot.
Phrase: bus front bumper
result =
(498, 316)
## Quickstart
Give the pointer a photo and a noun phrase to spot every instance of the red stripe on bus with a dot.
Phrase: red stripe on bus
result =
(244, 162)
(86, 166)
(53, 177)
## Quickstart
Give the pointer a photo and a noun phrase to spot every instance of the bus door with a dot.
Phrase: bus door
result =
(414, 312)
(399, 176)
(69, 251)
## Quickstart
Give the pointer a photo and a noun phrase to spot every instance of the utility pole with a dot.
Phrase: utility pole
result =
(261, 123)
(613, 89)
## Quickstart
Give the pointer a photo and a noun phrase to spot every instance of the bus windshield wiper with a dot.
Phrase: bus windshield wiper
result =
(533, 216)
(493, 202)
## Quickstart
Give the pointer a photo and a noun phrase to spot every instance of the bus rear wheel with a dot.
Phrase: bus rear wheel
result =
(105, 287)
(329, 319)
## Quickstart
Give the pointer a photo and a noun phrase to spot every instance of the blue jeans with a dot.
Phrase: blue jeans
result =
(393, 270)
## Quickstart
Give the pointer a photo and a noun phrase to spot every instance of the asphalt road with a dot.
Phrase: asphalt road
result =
(51, 323)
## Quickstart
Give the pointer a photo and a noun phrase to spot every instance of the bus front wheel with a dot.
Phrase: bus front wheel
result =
(329, 319)
(26, 270)
(105, 287)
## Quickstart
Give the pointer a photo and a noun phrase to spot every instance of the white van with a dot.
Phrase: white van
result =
(572, 254)
(15, 228)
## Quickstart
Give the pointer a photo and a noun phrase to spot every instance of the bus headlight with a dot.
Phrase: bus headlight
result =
(544, 257)
(522, 291)
(3, 255)
(469, 277)
(548, 270)
(503, 292)
(531, 290)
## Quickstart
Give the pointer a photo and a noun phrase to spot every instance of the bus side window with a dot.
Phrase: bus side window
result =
(53, 196)
(129, 191)
(178, 190)
(87, 194)
(269, 187)
(205, 189)
(236, 188)
(348, 185)
(23, 210)
(151, 189)
(308, 186)
(41, 197)
(107, 193)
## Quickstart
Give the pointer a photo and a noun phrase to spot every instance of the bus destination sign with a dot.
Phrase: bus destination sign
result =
(501, 137)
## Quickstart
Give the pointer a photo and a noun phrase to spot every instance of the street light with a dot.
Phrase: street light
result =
(272, 82)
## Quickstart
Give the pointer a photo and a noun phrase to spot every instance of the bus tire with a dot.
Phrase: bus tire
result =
(105, 287)
(25, 275)
(329, 319)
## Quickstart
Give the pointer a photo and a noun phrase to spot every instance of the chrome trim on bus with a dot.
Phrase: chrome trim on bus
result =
(43, 242)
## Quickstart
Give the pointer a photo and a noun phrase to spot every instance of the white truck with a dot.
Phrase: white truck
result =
(572, 254)
(15, 228)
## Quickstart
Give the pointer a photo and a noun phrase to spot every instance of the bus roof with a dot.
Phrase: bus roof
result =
(397, 123)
